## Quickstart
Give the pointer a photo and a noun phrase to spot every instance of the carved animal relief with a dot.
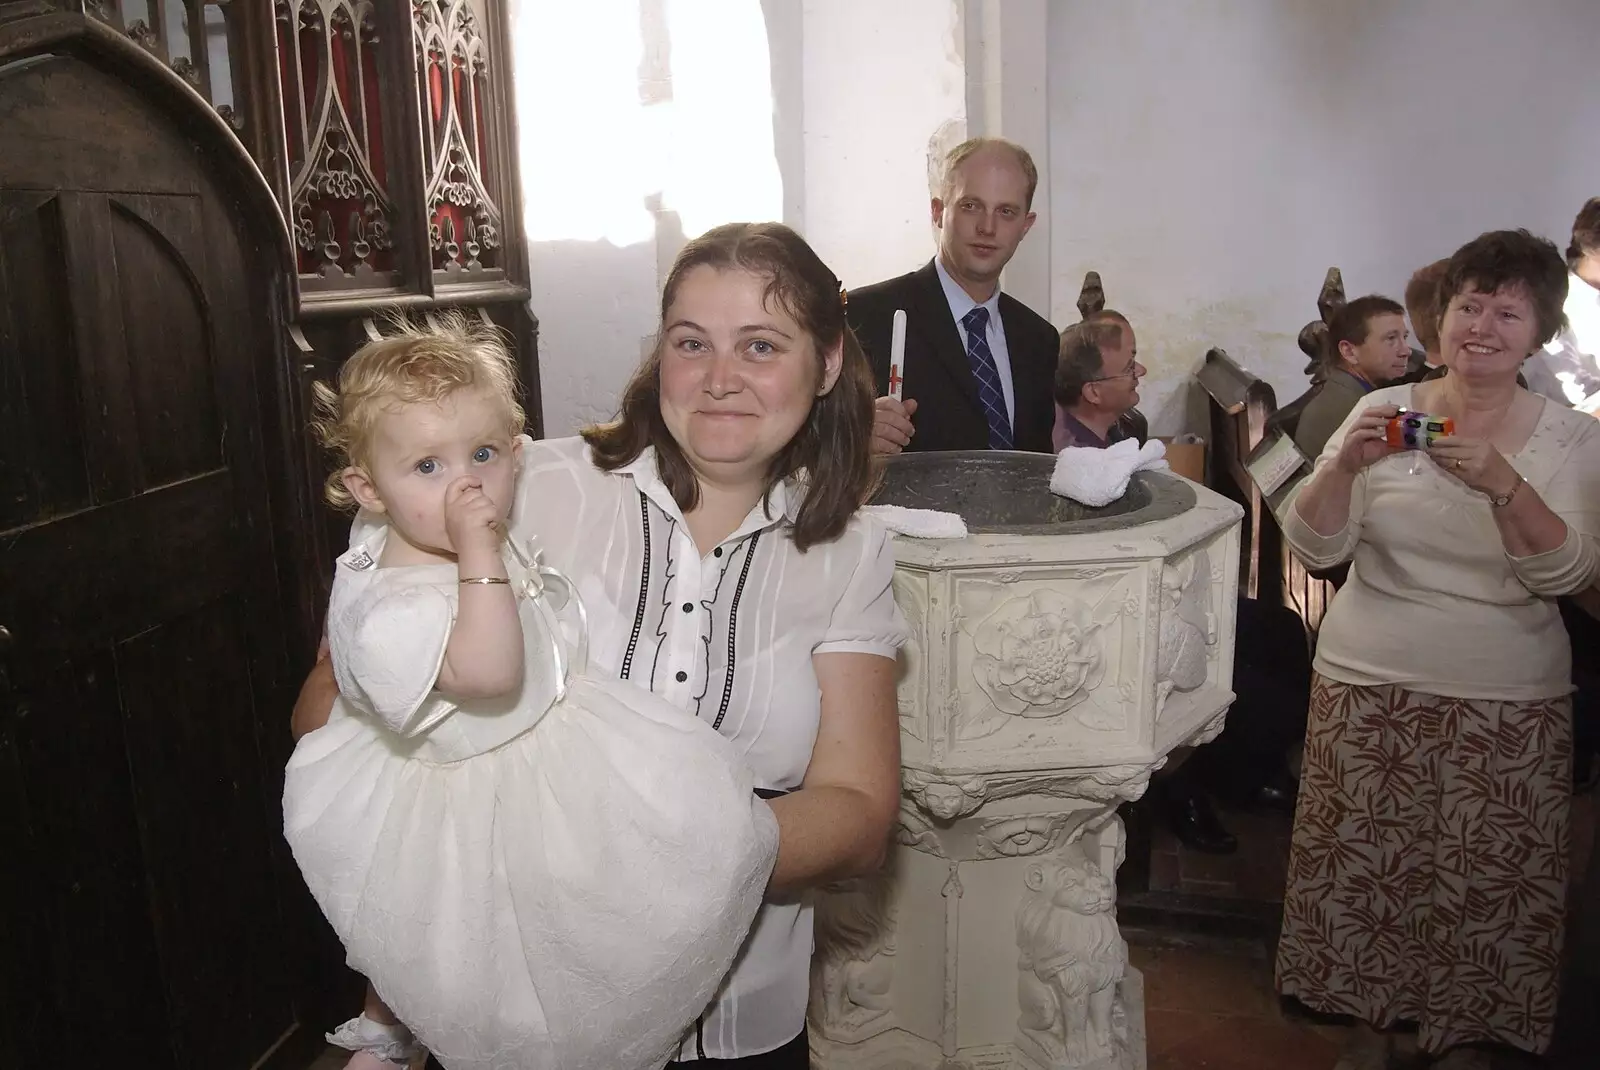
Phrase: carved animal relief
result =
(853, 966)
(1071, 958)
(1188, 625)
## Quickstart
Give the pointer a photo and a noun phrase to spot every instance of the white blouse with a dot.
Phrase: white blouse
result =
(729, 637)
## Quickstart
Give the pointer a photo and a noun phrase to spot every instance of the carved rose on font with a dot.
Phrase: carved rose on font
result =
(1039, 655)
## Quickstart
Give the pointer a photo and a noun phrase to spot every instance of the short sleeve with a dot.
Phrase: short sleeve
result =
(866, 619)
(387, 648)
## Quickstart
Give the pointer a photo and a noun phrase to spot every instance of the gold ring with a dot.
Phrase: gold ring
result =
(1458, 464)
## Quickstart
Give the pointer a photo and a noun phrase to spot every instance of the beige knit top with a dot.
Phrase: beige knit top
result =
(1433, 602)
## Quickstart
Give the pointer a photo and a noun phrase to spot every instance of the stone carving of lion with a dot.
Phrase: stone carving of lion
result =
(1072, 956)
(853, 965)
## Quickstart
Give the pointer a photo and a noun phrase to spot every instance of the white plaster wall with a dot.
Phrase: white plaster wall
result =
(1008, 67)
(1212, 158)
(592, 250)
(880, 77)
(858, 88)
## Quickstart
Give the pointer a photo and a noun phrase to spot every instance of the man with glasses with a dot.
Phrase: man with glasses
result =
(1096, 382)
(1096, 389)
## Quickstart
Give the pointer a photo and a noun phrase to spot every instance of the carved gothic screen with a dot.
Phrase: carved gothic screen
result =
(453, 70)
(384, 127)
(199, 39)
(385, 130)
(340, 208)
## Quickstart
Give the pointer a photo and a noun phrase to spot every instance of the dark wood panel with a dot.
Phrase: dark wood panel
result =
(20, 943)
(56, 109)
(158, 241)
(110, 429)
(190, 696)
(42, 470)
(165, 335)
(103, 575)
(84, 910)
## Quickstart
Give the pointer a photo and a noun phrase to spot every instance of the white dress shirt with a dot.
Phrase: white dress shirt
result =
(728, 636)
(961, 303)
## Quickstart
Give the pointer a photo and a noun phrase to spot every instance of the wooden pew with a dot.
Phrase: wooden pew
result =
(1240, 406)
(1308, 593)
(1243, 413)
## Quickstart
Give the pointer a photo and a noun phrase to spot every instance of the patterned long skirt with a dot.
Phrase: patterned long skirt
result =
(1428, 868)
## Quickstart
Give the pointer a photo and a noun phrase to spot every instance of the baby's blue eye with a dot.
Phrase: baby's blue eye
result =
(483, 454)
(428, 467)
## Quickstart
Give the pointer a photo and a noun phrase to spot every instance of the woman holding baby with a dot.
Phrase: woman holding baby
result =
(712, 535)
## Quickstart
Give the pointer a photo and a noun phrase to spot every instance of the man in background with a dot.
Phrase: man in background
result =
(1097, 382)
(1424, 309)
(1568, 370)
(1366, 349)
(979, 364)
(1097, 386)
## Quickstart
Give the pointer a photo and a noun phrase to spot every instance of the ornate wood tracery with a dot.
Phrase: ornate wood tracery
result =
(198, 39)
(453, 73)
(340, 208)
(384, 129)
(384, 209)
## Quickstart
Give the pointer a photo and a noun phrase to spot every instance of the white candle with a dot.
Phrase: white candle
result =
(897, 354)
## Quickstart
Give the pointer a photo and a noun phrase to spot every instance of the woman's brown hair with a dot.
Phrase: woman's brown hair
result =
(1424, 306)
(1500, 258)
(1585, 233)
(831, 453)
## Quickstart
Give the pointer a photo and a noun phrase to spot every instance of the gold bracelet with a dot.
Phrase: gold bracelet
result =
(486, 579)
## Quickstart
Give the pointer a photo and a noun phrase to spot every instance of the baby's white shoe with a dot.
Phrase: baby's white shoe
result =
(376, 1046)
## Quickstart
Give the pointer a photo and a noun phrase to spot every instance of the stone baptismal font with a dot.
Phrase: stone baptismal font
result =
(1059, 653)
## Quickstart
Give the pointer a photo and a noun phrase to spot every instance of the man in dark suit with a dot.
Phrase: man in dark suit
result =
(979, 364)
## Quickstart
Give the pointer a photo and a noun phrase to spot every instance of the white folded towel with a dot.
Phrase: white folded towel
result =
(919, 523)
(1099, 477)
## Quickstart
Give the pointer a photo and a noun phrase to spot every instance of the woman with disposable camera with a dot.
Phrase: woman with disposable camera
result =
(1428, 869)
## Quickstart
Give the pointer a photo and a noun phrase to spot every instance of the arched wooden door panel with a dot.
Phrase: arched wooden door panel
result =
(143, 920)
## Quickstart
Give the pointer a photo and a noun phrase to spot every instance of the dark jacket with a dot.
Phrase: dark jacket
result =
(937, 374)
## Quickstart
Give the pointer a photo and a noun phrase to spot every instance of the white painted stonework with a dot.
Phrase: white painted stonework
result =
(1047, 678)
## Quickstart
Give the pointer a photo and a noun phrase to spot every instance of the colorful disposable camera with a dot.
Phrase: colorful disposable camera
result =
(1417, 430)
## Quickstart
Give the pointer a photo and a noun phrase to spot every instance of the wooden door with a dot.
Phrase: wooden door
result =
(141, 919)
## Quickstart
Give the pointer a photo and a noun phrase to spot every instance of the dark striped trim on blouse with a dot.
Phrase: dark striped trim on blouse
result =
(644, 588)
(733, 629)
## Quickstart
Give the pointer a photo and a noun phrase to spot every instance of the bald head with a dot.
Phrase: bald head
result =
(990, 150)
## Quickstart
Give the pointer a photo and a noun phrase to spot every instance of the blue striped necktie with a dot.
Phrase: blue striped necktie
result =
(991, 397)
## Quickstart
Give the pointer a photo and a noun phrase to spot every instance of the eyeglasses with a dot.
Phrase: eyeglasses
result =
(1132, 372)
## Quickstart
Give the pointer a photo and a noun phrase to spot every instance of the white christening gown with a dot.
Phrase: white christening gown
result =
(558, 880)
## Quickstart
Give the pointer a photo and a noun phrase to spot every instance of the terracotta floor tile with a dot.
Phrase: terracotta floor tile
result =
(1262, 883)
(1167, 1031)
(1188, 1040)
(1181, 979)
